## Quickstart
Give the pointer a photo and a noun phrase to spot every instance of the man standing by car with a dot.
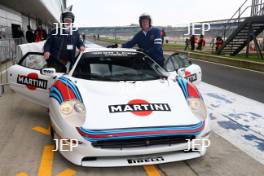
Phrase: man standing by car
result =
(59, 49)
(148, 39)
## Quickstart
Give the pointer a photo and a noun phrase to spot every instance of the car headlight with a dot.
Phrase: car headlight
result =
(198, 108)
(73, 112)
(79, 107)
(66, 108)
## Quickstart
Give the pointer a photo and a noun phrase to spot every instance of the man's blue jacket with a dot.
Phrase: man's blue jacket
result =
(150, 42)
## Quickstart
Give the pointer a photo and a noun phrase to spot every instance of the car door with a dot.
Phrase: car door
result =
(26, 78)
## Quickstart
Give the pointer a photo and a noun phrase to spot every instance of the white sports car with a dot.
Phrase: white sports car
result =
(117, 107)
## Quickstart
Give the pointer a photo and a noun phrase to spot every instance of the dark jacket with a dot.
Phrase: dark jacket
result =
(40, 35)
(151, 43)
(55, 44)
(30, 36)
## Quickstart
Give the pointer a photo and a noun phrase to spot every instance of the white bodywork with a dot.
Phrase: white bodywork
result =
(97, 120)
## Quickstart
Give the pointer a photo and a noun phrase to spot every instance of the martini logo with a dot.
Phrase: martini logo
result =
(139, 107)
(32, 81)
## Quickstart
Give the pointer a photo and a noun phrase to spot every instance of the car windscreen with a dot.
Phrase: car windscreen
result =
(118, 67)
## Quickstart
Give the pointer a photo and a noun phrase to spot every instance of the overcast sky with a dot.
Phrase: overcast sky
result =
(92, 13)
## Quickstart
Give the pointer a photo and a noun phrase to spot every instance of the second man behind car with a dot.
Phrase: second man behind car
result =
(59, 49)
(148, 39)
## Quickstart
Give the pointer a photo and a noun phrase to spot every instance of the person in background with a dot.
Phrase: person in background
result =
(219, 43)
(193, 42)
(201, 43)
(148, 40)
(40, 34)
(30, 35)
(83, 37)
(60, 48)
(212, 44)
(187, 44)
(18, 36)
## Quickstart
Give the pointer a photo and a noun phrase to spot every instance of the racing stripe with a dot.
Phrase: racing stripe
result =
(190, 127)
(183, 84)
(148, 132)
(192, 90)
(65, 91)
(53, 89)
(188, 88)
(167, 132)
(74, 88)
(139, 136)
(55, 96)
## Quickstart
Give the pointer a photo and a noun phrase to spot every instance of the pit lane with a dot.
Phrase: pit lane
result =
(26, 150)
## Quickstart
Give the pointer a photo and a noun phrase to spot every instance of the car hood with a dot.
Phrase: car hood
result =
(117, 105)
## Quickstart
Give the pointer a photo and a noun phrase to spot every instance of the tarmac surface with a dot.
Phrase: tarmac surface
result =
(244, 82)
(25, 151)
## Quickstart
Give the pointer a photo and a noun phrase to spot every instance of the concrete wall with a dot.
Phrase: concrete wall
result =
(8, 17)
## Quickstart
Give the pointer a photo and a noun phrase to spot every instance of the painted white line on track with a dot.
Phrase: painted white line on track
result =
(169, 53)
(236, 118)
(239, 68)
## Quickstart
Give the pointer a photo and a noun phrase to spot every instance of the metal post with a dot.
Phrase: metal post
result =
(255, 7)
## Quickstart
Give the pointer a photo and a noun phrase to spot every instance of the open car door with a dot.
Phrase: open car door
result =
(31, 78)
(183, 66)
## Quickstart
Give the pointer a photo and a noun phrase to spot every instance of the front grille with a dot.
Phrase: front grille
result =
(142, 142)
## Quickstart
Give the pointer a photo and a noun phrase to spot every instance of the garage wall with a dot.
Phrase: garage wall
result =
(8, 17)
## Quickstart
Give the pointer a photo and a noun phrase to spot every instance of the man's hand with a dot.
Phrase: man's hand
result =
(46, 55)
(82, 48)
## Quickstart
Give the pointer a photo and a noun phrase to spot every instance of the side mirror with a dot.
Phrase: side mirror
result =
(181, 72)
(48, 72)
